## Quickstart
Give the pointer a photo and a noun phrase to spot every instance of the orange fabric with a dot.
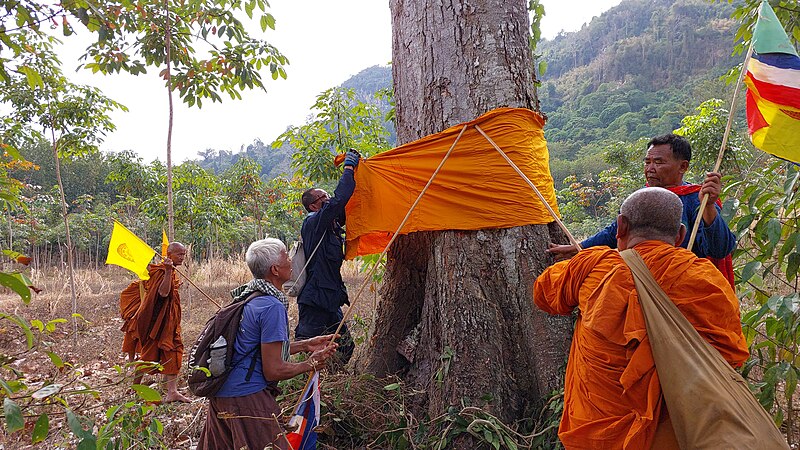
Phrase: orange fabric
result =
(612, 396)
(129, 300)
(158, 323)
(475, 189)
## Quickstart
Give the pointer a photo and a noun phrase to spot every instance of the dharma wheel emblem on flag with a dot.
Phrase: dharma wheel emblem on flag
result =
(123, 251)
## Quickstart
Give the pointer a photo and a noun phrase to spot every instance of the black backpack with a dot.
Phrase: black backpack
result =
(203, 381)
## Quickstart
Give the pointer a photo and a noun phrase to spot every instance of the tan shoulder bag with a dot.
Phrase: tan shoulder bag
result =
(709, 403)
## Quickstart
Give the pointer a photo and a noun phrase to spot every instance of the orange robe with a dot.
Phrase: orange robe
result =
(612, 395)
(129, 300)
(158, 322)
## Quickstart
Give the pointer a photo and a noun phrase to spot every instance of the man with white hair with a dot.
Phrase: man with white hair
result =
(244, 412)
(612, 398)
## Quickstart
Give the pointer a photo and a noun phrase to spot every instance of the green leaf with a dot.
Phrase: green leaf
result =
(792, 266)
(88, 443)
(791, 382)
(147, 393)
(14, 419)
(51, 325)
(749, 270)
(36, 323)
(16, 285)
(41, 428)
(20, 322)
(32, 76)
(75, 425)
(392, 387)
(774, 231)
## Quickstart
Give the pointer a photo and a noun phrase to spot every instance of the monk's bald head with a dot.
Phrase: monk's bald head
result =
(653, 213)
(176, 252)
(175, 246)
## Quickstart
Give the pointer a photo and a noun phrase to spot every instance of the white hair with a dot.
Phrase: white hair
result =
(262, 255)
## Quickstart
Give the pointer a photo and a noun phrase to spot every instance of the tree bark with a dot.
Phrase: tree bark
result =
(458, 303)
(168, 64)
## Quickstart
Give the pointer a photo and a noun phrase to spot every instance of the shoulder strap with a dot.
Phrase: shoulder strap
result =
(308, 259)
(142, 291)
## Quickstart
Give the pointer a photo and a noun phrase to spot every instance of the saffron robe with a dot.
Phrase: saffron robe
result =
(158, 322)
(612, 395)
(129, 301)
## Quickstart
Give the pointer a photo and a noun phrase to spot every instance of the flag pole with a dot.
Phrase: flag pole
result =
(725, 135)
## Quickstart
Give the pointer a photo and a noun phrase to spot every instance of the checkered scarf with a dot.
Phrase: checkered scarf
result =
(264, 286)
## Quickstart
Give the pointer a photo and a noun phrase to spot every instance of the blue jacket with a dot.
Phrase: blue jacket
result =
(714, 241)
(324, 287)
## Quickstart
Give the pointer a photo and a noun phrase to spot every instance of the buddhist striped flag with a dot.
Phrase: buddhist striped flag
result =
(305, 418)
(773, 89)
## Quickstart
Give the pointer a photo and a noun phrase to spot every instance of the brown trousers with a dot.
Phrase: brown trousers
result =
(249, 422)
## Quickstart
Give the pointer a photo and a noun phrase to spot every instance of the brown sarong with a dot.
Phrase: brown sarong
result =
(249, 422)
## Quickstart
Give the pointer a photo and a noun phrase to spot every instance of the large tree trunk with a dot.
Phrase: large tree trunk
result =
(457, 304)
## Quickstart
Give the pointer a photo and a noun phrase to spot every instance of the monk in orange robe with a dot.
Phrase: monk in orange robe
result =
(129, 300)
(612, 395)
(158, 320)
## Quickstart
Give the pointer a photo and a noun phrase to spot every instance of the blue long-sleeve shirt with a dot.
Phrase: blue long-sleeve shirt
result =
(324, 287)
(715, 240)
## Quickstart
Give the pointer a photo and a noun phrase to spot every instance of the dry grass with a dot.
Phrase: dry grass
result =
(94, 349)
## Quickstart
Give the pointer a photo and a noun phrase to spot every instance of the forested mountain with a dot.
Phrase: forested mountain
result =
(634, 71)
(276, 161)
(273, 161)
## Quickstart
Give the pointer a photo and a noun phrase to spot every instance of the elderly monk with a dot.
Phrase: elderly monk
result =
(665, 163)
(158, 320)
(612, 396)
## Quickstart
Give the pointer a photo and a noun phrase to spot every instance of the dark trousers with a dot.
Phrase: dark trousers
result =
(316, 322)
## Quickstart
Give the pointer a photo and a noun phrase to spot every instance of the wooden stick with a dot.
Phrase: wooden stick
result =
(535, 189)
(386, 249)
(725, 135)
(396, 233)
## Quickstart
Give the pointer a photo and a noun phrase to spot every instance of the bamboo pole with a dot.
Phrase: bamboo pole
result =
(725, 135)
(386, 249)
(533, 186)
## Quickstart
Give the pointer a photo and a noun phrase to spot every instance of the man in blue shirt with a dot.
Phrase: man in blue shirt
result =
(244, 412)
(321, 299)
(666, 161)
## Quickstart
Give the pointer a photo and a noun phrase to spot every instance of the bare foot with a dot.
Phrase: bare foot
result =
(177, 397)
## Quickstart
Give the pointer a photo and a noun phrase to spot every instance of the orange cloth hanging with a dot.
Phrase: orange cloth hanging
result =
(475, 189)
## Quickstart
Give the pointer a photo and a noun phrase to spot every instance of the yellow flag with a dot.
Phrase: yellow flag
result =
(128, 251)
(164, 243)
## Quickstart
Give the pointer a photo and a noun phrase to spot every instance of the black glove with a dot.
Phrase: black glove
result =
(351, 158)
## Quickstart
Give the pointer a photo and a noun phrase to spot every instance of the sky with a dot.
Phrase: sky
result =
(326, 43)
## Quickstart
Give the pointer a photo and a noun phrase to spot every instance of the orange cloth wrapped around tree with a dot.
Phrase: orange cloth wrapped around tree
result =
(612, 398)
(158, 323)
(129, 301)
(475, 189)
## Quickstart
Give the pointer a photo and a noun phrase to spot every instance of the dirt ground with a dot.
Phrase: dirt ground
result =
(92, 354)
